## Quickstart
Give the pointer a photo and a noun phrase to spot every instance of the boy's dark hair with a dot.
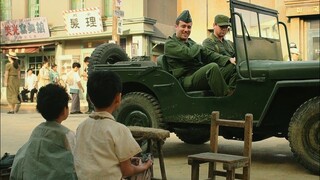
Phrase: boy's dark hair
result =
(53, 65)
(102, 87)
(76, 64)
(51, 100)
(86, 59)
(30, 70)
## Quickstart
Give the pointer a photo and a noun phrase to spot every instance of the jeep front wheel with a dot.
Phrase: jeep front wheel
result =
(304, 134)
(139, 109)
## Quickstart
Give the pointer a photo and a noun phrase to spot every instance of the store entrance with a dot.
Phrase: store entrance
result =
(313, 39)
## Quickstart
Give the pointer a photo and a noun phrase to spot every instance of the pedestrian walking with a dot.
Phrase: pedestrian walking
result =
(43, 76)
(12, 82)
(85, 78)
(74, 82)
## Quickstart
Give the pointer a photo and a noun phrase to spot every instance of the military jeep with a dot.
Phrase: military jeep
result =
(283, 96)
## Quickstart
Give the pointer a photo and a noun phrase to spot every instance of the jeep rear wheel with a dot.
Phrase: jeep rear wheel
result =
(139, 109)
(193, 135)
(304, 134)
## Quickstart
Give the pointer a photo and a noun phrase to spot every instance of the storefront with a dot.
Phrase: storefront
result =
(304, 26)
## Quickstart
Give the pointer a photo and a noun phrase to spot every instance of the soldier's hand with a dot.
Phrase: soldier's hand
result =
(233, 61)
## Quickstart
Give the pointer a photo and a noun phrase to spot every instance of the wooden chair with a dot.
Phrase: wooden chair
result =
(230, 162)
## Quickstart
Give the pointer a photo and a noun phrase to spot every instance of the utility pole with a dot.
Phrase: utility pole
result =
(115, 36)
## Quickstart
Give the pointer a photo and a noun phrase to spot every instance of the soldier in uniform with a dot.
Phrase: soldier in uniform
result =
(217, 43)
(195, 66)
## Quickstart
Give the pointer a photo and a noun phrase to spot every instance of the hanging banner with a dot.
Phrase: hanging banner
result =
(22, 29)
(83, 21)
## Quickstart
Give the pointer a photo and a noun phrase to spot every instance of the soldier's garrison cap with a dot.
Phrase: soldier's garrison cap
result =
(222, 20)
(184, 16)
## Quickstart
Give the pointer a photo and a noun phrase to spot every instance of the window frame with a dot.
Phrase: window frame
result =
(108, 8)
(6, 10)
(34, 8)
(77, 4)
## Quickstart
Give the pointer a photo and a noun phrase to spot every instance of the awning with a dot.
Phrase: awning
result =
(25, 48)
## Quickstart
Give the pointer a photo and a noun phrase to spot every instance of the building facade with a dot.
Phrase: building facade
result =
(66, 31)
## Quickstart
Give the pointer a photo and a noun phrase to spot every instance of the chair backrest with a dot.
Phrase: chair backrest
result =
(162, 62)
(246, 124)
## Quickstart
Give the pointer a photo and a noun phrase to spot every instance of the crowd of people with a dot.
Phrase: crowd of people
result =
(33, 82)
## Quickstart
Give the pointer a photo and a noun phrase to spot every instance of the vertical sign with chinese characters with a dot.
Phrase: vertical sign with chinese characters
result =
(21, 29)
(83, 21)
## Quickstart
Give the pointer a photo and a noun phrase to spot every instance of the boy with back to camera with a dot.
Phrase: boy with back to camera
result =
(105, 148)
(48, 152)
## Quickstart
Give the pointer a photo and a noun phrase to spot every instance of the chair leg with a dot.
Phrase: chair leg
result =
(195, 171)
(246, 173)
(230, 174)
(149, 150)
(161, 161)
(212, 168)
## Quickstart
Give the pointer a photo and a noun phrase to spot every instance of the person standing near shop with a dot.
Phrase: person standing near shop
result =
(54, 75)
(12, 82)
(43, 76)
(224, 48)
(31, 81)
(74, 82)
(85, 78)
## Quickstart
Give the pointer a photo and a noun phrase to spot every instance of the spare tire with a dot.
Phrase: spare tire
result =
(107, 53)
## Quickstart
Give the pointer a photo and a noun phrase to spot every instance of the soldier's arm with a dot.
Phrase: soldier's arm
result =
(213, 56)
(177, 50)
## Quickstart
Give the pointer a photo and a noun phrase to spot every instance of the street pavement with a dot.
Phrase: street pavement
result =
(271, 158)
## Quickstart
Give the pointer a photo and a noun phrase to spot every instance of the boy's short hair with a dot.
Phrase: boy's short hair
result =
(30, 70)
(86, 59)
(51, 100)
(53, 65)
(76, 64)
(102, 88)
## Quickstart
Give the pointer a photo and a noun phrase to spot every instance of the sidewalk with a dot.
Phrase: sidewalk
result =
(30, 106)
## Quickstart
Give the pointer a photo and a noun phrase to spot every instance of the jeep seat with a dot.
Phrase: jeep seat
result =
(162, 62)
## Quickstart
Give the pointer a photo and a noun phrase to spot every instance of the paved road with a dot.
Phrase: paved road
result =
(271, 158)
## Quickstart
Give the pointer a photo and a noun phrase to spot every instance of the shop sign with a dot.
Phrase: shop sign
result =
(83, 21)
(22, 29)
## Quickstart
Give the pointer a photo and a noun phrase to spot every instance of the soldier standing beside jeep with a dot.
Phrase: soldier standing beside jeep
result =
(195, 67)
(217, 43)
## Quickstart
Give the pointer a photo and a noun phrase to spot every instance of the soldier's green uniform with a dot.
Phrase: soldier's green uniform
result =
(224, 49)
(196, 67)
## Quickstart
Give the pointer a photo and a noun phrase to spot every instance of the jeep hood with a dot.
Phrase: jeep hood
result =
(285, 70)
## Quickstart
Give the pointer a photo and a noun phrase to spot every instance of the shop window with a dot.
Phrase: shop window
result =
(77, 4)
(5, 7)
(108, 7)
(34, 8)
(123, 43)
(313, 39)
(35, 62)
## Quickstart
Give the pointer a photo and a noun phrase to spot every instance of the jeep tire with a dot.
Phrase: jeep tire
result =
(139, 109)
(107, 53)
(193, 135)
(304, 134)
